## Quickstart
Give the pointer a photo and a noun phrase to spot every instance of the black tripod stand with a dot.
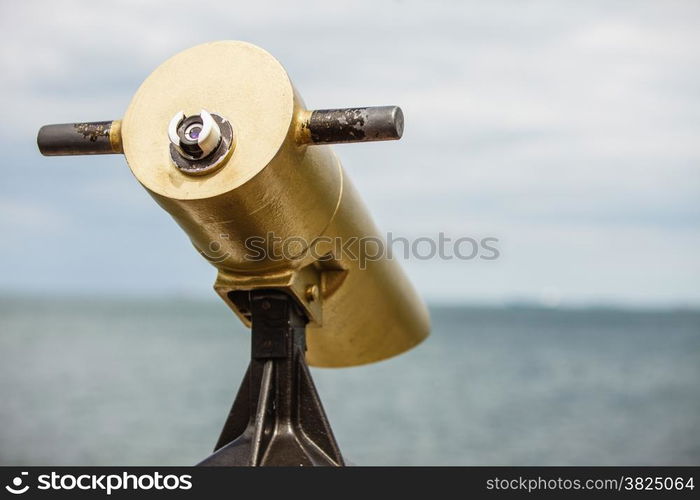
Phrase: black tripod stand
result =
(277, 417)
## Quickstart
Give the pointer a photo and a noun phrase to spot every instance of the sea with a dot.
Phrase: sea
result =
(143, 381)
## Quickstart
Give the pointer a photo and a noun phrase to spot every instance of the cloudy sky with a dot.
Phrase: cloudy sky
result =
(567, 130)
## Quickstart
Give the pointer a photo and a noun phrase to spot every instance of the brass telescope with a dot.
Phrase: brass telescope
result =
(221, 139)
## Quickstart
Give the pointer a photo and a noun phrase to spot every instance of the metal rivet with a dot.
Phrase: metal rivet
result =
(311, 293)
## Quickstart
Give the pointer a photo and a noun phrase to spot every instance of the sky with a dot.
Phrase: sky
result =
(566, 130)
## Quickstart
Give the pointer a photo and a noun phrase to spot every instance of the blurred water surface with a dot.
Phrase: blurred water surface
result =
(140, 382)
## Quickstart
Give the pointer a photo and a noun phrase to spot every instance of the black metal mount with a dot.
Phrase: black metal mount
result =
(277, 417)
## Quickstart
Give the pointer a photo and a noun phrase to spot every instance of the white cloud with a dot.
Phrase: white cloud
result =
(522, 118)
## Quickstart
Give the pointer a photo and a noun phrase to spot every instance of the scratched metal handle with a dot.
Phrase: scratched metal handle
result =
(338, 126)
(87, 138)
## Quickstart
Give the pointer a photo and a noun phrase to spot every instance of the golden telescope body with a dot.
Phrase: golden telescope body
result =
(222, 140)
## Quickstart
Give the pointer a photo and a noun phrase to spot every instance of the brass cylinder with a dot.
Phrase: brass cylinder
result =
(274, 188)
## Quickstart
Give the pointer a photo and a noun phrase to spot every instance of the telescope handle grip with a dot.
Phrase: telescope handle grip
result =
(340, 126)
(85, 138)
(323, 126)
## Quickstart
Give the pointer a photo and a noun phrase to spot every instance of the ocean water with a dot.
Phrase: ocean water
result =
(147, 382)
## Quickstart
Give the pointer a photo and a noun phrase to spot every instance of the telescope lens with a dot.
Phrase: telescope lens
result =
(193, 131)
(199, 142)
(189, 130)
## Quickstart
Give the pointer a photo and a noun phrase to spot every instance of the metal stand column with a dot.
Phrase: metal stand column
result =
(277, 417)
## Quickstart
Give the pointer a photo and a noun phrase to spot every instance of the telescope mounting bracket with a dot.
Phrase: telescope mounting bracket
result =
(277, 417)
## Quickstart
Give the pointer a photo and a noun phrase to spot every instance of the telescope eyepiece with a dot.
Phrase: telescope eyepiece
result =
(200, 142)
(195, 136)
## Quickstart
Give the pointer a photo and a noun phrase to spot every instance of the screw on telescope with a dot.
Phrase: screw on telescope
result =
(338, 126)
(311, 293)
